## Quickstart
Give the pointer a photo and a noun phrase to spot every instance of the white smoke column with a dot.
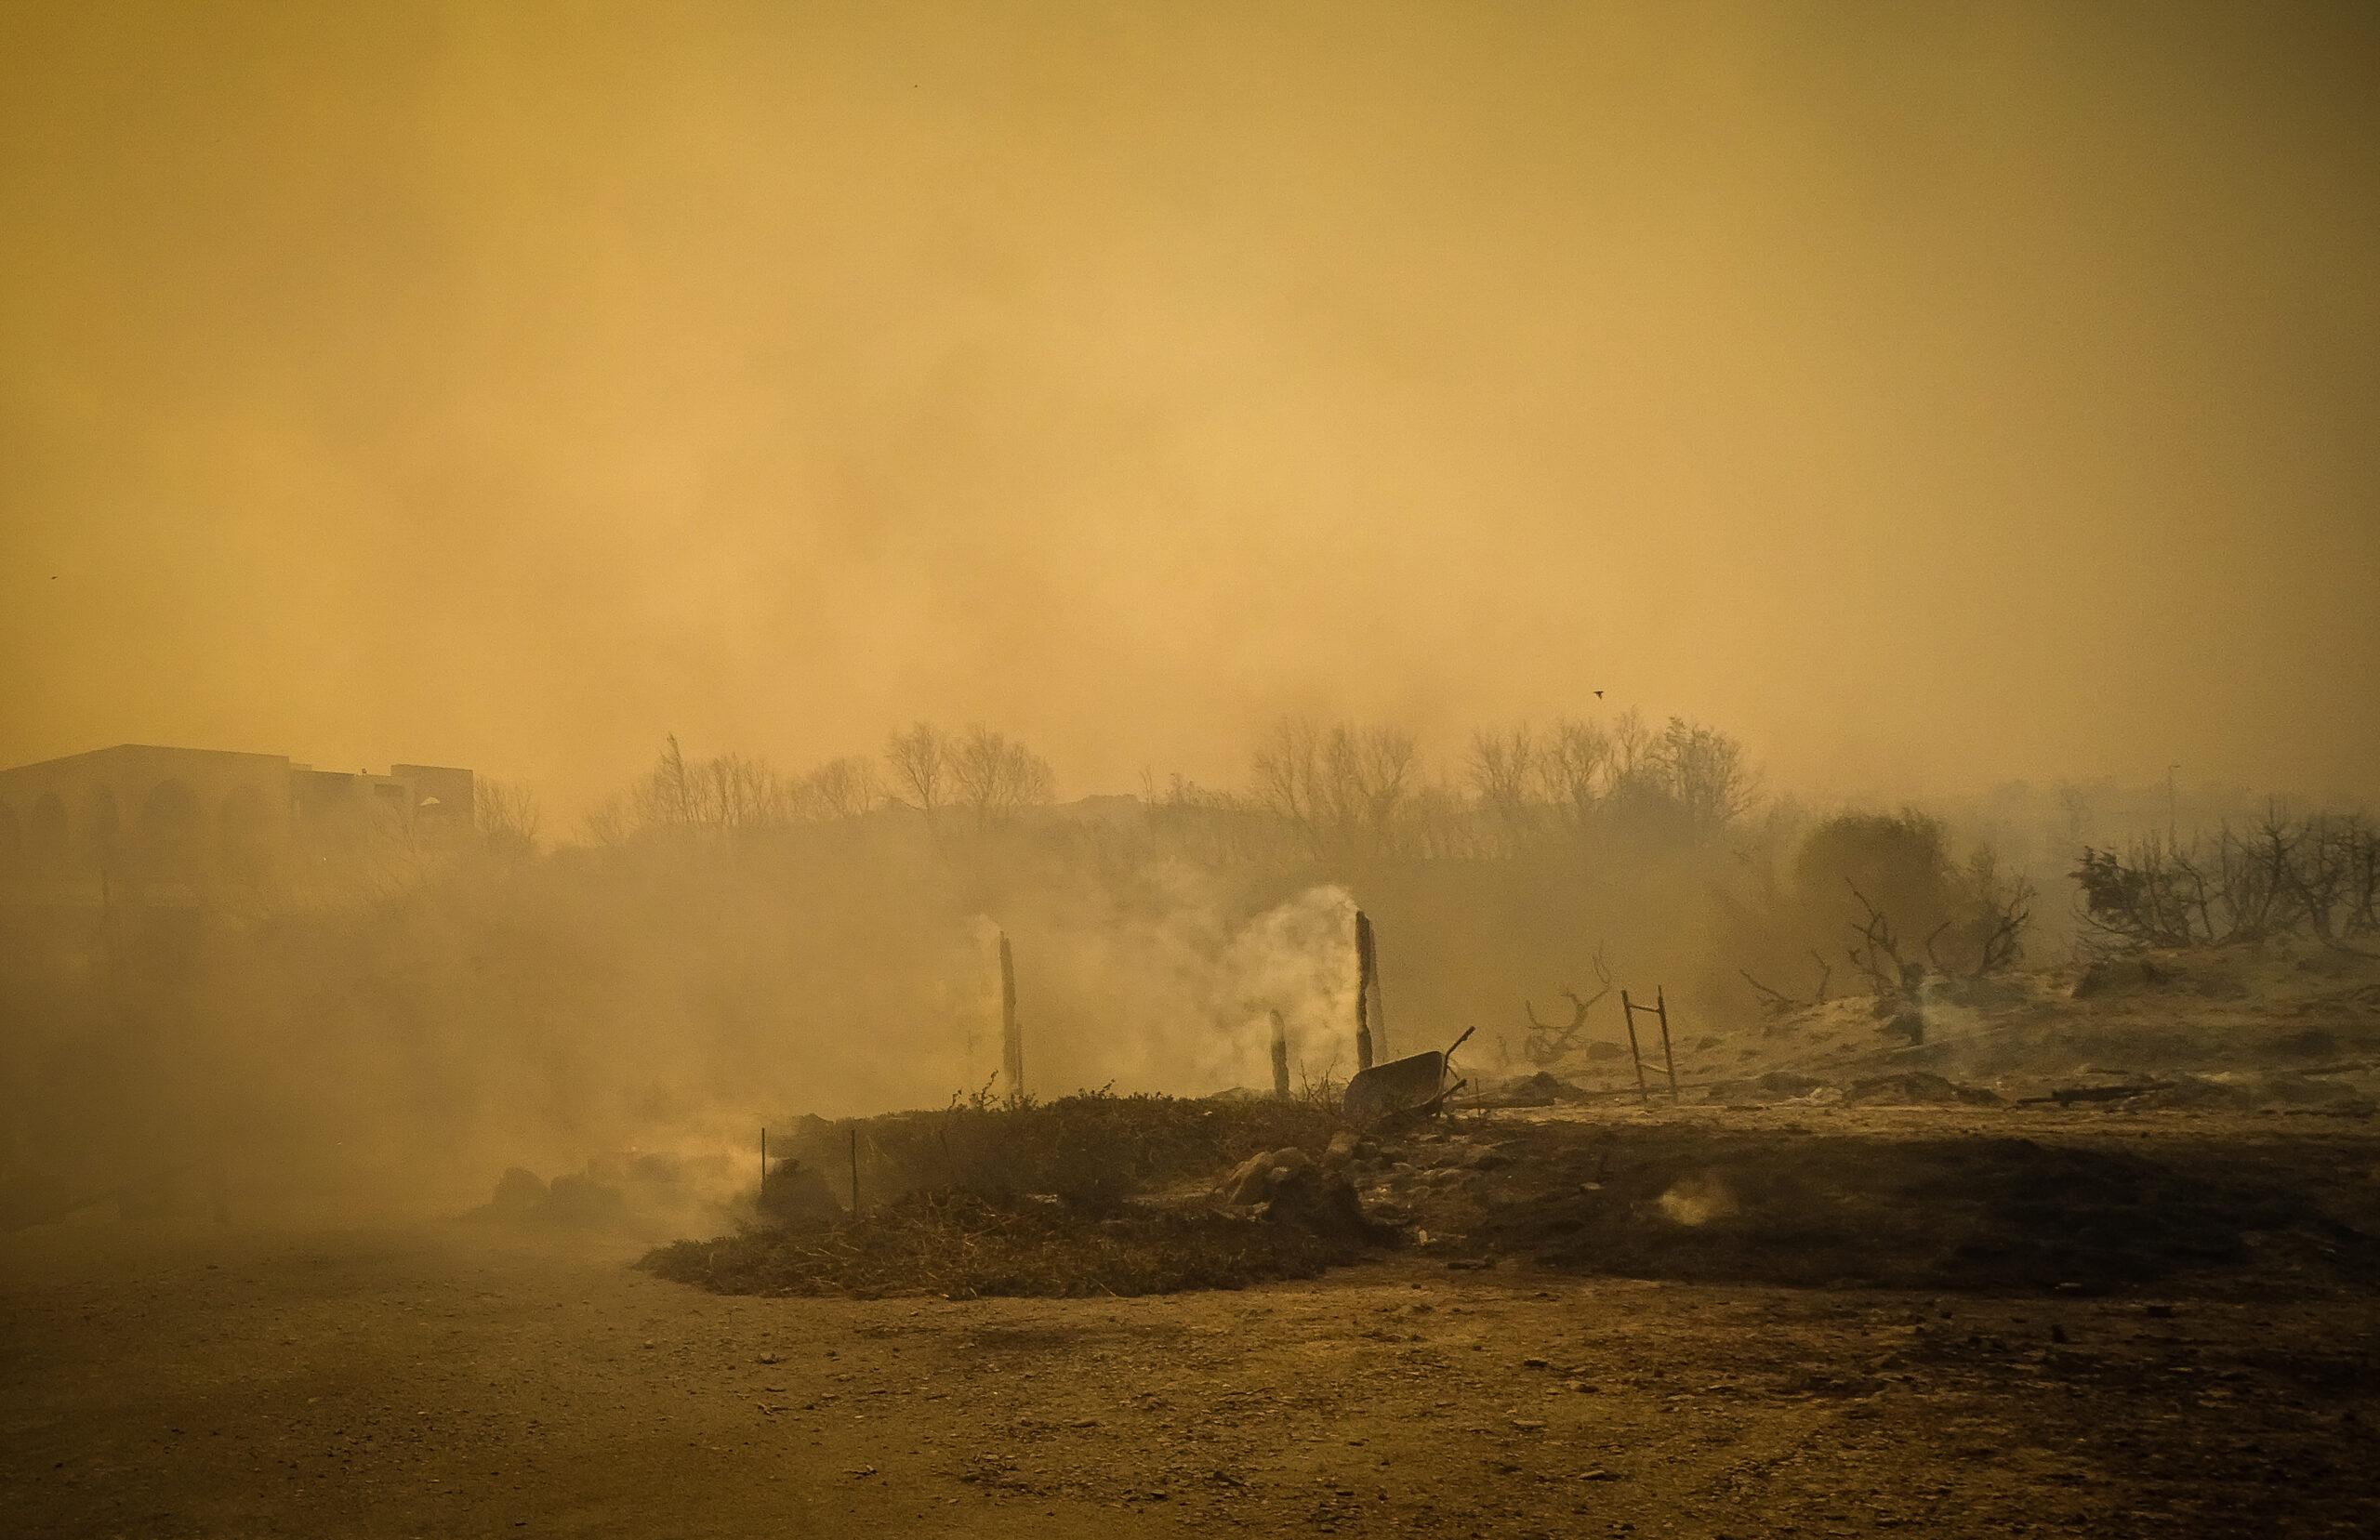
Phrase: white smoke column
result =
(1172, 990)
(1298, 958)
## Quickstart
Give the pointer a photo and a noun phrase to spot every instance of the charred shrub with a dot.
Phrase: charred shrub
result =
(1089, 1151)
(965, 1245)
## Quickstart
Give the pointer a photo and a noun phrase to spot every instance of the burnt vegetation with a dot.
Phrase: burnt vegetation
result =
(722, 934)
(1889, 898)
(2314, 875)
(1023, 1197)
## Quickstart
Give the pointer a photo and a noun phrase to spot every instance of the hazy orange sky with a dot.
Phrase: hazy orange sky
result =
(1932, 395)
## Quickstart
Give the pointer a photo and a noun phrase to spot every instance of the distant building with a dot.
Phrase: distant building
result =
(182, 815)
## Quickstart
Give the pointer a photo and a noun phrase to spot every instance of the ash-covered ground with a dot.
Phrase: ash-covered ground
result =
(1897, 1289)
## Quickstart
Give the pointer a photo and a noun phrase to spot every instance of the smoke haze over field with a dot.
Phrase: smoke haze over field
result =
(1602, 688)
(1933, 395)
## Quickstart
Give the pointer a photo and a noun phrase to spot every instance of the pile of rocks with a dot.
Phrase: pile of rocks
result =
(1290, 1186)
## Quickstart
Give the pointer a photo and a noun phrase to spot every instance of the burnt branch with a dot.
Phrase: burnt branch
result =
(1547, 1043)
(1778, 1003)
(1877, 956)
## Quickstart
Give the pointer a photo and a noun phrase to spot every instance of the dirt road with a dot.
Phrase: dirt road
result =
(431, 1382)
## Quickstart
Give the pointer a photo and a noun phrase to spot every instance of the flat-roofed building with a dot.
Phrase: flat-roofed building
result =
(144, 812)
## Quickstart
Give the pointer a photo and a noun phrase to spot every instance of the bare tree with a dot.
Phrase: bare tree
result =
(1288, 773)
(1503, 771)
(734, 793)
(610, 821)
(1379, 770)
(1574, 769)
(1630, 747)
(995, 776)
(2361, 877)
(1345, 790)
(921, 763)
(718, 798)
(840, 788)
(1705, 773)
(668, 799)
(504, 816)
(1992, 912)
(1686, 783)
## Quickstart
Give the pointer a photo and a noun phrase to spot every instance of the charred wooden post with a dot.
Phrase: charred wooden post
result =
(1368, 1023)
(1012, 1033)
(1379, 1011)
(1661, 1012)
(1627, 1012)
(1280, 1057)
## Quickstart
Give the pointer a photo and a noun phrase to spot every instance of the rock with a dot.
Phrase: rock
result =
(1290, 1187)
(1257, 1178)
(1246, 1182)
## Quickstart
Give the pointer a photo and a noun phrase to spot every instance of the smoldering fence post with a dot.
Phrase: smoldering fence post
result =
(1012, 1033)
(764, 1163)
(1627, 1012)
(1367, 990)
(854, 1171)
(1280, 1057)
(1371, 992)
(1662, 1013)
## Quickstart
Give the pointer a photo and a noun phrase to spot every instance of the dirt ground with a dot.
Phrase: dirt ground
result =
(446, 1380)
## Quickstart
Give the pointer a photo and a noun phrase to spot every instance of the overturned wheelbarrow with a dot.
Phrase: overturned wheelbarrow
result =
(1416, 1084)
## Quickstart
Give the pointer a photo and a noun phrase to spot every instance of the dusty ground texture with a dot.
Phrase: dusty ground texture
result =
(452, 1382)
(1775, 1308)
